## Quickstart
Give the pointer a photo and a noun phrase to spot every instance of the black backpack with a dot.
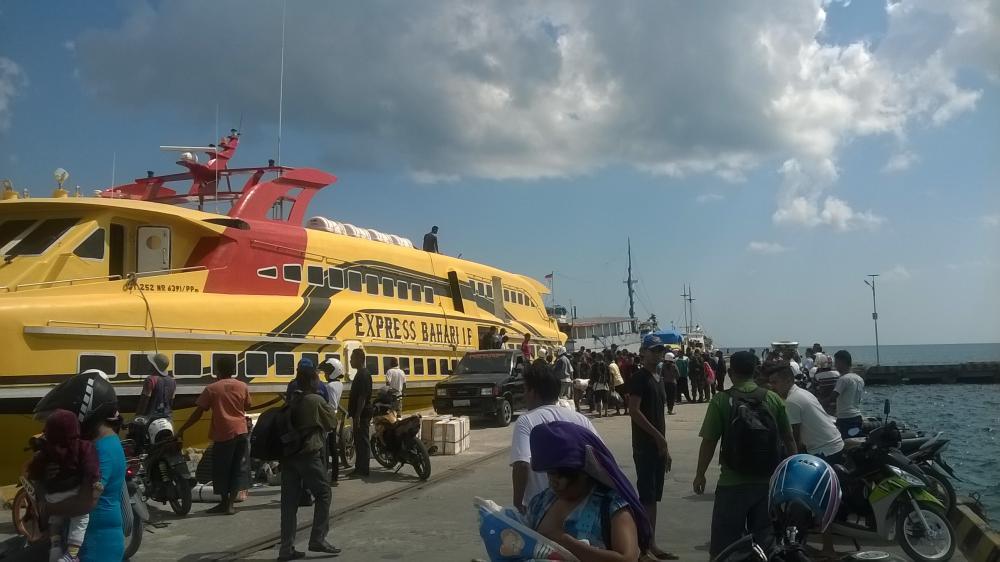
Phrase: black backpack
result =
(274, 436)
(750, 443)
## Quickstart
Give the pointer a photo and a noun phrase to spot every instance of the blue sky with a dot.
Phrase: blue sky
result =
(771, 158)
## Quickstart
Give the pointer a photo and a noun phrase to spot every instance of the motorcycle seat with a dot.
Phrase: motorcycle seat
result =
(910, 445)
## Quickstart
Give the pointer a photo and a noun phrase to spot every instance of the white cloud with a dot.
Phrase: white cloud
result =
(425, 177)
(991, 220)
(900, 161)
(12, 80)
(501, 90)
(766, 248)
(897, 273)
(69, 45)
(708, 198)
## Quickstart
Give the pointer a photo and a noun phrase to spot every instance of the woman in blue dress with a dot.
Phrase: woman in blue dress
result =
(590, 508)
(92, 397)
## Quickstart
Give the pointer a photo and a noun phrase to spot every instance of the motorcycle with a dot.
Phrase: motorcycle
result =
(890, 504)
(163, 470)
(394, 442)
(135, 526)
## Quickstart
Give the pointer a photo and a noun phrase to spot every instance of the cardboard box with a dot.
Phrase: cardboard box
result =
(453, 436)
(427, 429)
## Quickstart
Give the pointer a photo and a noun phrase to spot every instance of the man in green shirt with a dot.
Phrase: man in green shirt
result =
(740, 498)
(682, 377)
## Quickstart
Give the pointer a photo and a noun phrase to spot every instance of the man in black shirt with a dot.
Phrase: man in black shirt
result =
(431, 240)
(649, 433)
(359, 408)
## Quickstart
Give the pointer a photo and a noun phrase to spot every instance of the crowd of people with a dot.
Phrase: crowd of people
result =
(590, 508)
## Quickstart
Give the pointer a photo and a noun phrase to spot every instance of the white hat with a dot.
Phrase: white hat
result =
(668, 357)
(560, 350)
(543, 351)
(159, 362)
(822, 361)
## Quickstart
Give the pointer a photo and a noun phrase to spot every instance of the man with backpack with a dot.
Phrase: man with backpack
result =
(310, 417)
(752, 423)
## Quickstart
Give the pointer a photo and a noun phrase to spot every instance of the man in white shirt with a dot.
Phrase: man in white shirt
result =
(396, 378)
(847, 393)
(541, 392)
(814, 430)
(334, 371)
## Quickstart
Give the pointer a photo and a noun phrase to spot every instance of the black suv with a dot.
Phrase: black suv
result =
(485, 383)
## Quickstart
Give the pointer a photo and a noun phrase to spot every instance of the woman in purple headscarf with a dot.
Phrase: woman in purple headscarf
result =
(590, 508)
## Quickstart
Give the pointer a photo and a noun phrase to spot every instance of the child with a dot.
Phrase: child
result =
(64, 463)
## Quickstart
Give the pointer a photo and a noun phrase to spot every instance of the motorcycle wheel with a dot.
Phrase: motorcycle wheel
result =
(25, 517)
(134, 540)
(180, 501)
(421, 459)
(346, 446)
(381, 455)
(914, 540)
(942, 489)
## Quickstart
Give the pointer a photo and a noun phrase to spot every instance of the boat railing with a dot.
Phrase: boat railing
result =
(74, 281)
(176, 329)
(98, 279)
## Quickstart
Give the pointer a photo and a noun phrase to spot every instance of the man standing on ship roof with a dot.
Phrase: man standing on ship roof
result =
(431, 241)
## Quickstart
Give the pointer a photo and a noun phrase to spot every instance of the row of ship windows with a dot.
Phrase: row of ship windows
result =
(509, 295)
(255, 364)
(337, 278)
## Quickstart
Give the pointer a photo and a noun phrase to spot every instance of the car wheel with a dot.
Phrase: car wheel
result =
(505, 413)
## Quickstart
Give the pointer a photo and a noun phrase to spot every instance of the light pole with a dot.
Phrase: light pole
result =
(874, 314)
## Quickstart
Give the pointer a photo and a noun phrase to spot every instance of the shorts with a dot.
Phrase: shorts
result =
(650, 469)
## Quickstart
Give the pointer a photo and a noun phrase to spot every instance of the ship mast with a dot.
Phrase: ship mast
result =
(631, 291)
(688, 304)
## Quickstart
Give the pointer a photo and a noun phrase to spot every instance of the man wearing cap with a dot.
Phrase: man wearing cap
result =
(308, 365)
(649, 433)
(157, 398)
(668, 370)
(333, 369)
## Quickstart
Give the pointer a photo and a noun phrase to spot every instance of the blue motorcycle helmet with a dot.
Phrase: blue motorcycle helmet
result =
(806, 488)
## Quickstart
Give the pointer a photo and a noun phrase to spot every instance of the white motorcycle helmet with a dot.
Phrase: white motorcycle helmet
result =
(159, 430)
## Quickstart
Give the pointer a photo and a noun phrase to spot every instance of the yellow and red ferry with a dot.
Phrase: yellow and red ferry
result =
(100, 281)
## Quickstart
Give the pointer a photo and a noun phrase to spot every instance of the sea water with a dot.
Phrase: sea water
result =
(969, 416)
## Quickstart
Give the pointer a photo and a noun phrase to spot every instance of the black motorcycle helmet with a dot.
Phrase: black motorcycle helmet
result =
(89, 395)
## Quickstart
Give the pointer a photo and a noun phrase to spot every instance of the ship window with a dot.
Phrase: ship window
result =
(139, 365)
(520, 298)
(404, 289)
(292, 272)
(11, 229)
(415, 293)
(43, 236)
(116, 253)
(315, 276)
(489, 291)
(432, 367)
(354, 281)
(106, 363)
(336, 277)
(187, 365)
(371, 363)
(429, 294)
(506, 295)
(418, 365)
(386, 363)
(268, 272)
(454, 364)
(93, 247)
(314, 357)
(444, 367)
(371, 284)
(217, 356)
(255, 363)
(404, 364)
(388, 287)
(284, 364)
